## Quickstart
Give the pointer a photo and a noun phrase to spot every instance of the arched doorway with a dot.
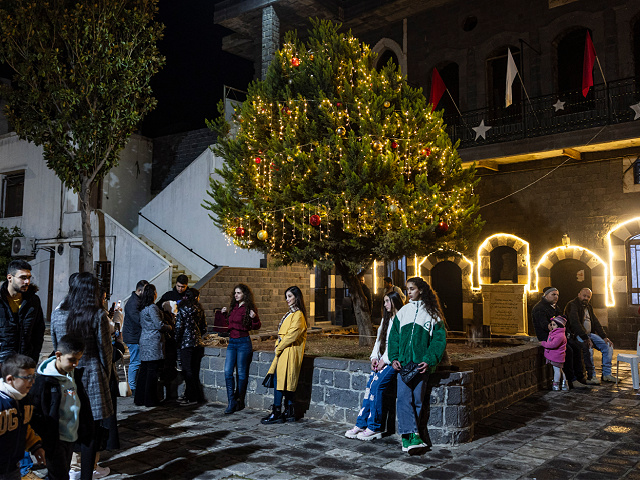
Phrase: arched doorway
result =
(504, 265)
(446, 280)
(570, 276)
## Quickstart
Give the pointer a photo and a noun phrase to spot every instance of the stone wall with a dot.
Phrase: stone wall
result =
(332, 389)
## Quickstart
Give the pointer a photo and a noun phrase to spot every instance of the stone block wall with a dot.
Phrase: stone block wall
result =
(332, 389)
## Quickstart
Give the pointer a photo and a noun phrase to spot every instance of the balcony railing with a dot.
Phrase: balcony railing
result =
(604, 105)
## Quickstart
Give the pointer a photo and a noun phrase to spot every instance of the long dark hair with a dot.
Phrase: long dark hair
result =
(248, 303)
(82, 302)
(299, 299)
(396, 301)
(190, 299)
(148, 296)
(429, 297)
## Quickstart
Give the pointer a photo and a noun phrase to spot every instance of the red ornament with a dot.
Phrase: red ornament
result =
(394, 144)
(295, 61)
(258, 160)
(314, 220)
(286, 110)
(339, 104)
(442, 228)
(426, 152)
(240, 231)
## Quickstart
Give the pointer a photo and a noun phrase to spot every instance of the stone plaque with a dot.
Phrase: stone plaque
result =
(504, 307)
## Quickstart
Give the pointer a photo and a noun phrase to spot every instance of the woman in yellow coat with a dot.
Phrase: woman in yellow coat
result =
(292, 337)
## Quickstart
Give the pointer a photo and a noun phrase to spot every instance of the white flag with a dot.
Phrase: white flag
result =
(512, 71)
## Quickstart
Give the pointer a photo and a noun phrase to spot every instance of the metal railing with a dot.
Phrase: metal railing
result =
(606, 104)
(177, 241)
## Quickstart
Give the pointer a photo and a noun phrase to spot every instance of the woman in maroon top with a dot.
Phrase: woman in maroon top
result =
(241, 317)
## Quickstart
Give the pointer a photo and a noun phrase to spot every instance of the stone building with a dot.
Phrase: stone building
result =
(560, 172)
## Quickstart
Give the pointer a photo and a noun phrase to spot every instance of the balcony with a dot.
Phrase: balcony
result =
(604, 105)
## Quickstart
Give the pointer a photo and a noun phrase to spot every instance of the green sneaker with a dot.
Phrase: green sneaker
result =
(405, 442)
(414, 441)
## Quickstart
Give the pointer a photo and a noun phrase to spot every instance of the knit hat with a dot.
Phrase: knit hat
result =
(560, 320)
(547, 290)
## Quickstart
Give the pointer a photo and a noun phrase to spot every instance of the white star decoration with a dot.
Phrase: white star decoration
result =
(481, 130)
(559, 105)
(636, 108)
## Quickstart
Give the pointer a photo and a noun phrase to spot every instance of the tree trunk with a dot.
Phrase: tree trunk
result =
(360, 307)
(85, 215)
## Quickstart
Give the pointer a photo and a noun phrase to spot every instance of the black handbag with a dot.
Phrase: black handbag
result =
(268, 381)
(408, 372)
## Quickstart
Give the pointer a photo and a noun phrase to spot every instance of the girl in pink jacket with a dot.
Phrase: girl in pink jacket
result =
(555, 348)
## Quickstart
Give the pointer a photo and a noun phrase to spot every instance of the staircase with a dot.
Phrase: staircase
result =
(268, 286)
(177, 269)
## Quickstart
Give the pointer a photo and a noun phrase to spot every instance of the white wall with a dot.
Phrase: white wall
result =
(178, 210)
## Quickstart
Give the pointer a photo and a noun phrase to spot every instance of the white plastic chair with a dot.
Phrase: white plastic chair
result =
(634, 363)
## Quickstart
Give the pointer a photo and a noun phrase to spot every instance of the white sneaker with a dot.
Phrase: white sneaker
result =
(369, 435)
(353, 433)
(74, 474)
(101, 472)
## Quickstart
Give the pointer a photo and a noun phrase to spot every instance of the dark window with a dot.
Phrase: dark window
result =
(503, 263)
(450, 74)
(570, 63)
(633, 269)
(13, 194)
(384, 57)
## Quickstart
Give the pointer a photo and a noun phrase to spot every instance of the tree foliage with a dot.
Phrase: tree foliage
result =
(81, 82)
(327, 134)
(6, 238)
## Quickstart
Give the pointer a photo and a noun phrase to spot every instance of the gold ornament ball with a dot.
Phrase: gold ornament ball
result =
(387, 104)
(393, 208)
(262, 235)
(341, 131)
(377, 144)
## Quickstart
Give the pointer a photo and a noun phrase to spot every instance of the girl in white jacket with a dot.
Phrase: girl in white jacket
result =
(369, 421)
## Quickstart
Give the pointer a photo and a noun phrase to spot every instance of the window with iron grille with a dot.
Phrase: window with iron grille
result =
(633, 269)
(12, 194)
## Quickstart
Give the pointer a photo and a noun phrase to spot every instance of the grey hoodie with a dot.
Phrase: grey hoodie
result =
(69, 403)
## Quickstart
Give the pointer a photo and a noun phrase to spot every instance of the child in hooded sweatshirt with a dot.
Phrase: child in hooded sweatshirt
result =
(16, 434)
(555, 348)
(62, 414)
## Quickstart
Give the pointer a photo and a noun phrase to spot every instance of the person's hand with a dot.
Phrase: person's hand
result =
(223, 310)
(39, 454)
(374, 364)
(422, 367)
(396, 365)
(608, 342)
(381, 366)
(252, 314)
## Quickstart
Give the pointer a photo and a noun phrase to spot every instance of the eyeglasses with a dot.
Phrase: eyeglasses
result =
(28, 378)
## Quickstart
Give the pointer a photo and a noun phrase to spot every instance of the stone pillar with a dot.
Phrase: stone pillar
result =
(270, 37)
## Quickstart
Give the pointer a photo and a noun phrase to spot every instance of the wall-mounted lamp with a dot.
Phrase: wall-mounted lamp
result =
(566, 241)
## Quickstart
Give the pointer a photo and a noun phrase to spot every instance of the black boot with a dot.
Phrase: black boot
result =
(275, 416)
(242, 392)
(231, 398)
(290, 413)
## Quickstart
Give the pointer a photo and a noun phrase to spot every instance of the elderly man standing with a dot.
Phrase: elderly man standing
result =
(541, 314)
(584, 324)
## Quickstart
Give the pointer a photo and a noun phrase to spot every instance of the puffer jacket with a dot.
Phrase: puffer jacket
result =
(22, 332)
(152, 336)
(191, 326)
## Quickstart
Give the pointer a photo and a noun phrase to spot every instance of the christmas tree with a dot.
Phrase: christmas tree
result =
(335, 164)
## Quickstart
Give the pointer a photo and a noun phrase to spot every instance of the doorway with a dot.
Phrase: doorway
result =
(446, 280)
(570, 276)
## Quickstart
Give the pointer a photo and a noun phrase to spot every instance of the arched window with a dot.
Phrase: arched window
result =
(450, 74)
(384, 58)
(504, 265)
(570, 53)
(497, 81)
(633, 269)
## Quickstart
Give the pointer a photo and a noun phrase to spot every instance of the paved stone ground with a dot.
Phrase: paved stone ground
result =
(581, 434)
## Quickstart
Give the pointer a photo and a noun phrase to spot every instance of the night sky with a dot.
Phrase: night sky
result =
(190, 85)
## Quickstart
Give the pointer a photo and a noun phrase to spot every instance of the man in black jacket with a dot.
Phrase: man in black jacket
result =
(541, 314)
(176, 293)
(21, 319)
(131, 332)
(585, 327)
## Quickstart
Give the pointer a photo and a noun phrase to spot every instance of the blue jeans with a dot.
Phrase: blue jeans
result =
(239, 356)
(409, 403)
(278, 394)
(607, 355)
(134, 364)
(370, 415)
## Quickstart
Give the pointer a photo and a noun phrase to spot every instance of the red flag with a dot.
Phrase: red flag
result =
(437, 89)
(587, 67)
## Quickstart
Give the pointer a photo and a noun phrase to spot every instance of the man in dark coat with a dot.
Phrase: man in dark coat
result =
(585, 327)
(131, 332)
(541, 314)
(176, 293)
(21, 319)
